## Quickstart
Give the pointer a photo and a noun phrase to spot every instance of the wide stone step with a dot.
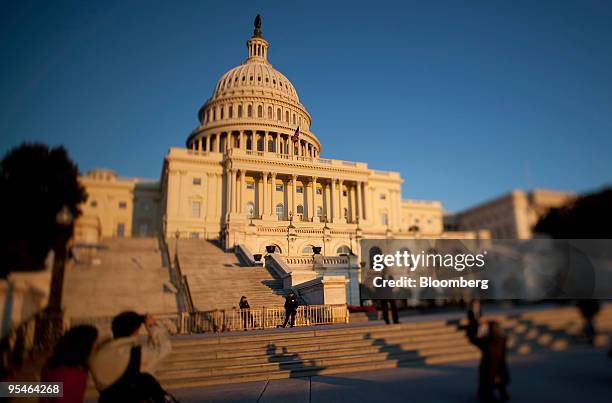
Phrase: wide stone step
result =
(227, 358)
(313, 370)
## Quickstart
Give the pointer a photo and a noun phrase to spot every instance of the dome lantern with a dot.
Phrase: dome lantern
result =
(257, 45)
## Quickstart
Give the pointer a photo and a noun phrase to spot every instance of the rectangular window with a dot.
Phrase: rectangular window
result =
(299, 189)
(279, 188)
(250, 185)
(195, 209)
(122, 205)
(120, 229)
(197, 181)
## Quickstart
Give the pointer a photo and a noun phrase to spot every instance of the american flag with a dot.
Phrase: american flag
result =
(296, 135)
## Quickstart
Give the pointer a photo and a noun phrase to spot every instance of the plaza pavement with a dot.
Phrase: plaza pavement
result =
(577, 375)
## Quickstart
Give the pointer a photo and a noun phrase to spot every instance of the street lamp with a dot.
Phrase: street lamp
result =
(291, 234)
(63, 220)
(326, 237)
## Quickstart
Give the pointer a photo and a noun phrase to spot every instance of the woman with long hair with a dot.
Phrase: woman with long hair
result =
(70, 363)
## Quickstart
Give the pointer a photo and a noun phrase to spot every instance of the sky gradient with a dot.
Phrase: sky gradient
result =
(466, 99)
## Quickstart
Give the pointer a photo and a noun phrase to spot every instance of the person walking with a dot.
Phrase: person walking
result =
(122, 367)
(247, 318)
(473, 315)
(291, 306)
(493, 370)
(69, 363)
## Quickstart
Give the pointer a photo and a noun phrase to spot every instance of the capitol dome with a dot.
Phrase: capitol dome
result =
(253, 98)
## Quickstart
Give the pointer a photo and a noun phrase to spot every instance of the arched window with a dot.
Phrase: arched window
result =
(250, 210)
(239, 111)
(250, 111)
(278, 114)
(249, 143)
(280, 212)
(307, 250)
(287, 116)
(271, 146)
(384, 219)
(230, 112)
(260, 144)
(260, 111)
(270, 112)
(343, 250)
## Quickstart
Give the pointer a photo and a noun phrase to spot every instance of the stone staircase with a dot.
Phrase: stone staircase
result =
(121, 274)
(287, 353)
(218, 279)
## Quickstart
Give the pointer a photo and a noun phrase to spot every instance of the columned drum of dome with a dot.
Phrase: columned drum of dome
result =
(254, 107)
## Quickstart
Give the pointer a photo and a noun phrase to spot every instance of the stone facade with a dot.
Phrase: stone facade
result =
(252, 173)
(511, 216)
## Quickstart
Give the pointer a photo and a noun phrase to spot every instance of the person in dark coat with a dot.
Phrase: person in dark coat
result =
(291, 306)
(493, 371)
(385, 304)
(474, 314)
(247, 318)
(589, 309)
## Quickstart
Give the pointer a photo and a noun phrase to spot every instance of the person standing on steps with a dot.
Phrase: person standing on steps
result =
(291, 306)
(493, 370)
(247, 318)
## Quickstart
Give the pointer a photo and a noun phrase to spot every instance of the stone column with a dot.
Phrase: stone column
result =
(265, 145)
(230, 191)
(340, 201)
(264, 203)
(242, 186)
(242, 143)
(332, 201)
(293, 195)
(313, 205)
(359, 202)
(272, 194)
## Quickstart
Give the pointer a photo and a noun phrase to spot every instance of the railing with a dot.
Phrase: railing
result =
(244, 254)
(266, 318)
(178, 279)
(233, 319)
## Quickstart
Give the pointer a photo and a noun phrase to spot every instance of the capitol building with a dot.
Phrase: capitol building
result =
(252, 174)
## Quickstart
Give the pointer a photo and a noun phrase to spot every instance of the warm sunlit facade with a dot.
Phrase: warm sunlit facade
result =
(246, 177)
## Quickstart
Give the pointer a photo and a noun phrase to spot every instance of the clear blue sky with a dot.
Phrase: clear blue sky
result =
(467, 99)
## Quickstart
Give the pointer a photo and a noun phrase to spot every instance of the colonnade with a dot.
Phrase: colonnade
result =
(255, 141)
(339, 200)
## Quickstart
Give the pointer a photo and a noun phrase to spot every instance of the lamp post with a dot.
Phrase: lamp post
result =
(291, 234)
(326, 237)
(63, 220)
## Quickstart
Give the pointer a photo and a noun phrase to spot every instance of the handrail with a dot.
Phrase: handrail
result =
(178, 279)
(224, 320)
(277, 265)
(244, 254)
